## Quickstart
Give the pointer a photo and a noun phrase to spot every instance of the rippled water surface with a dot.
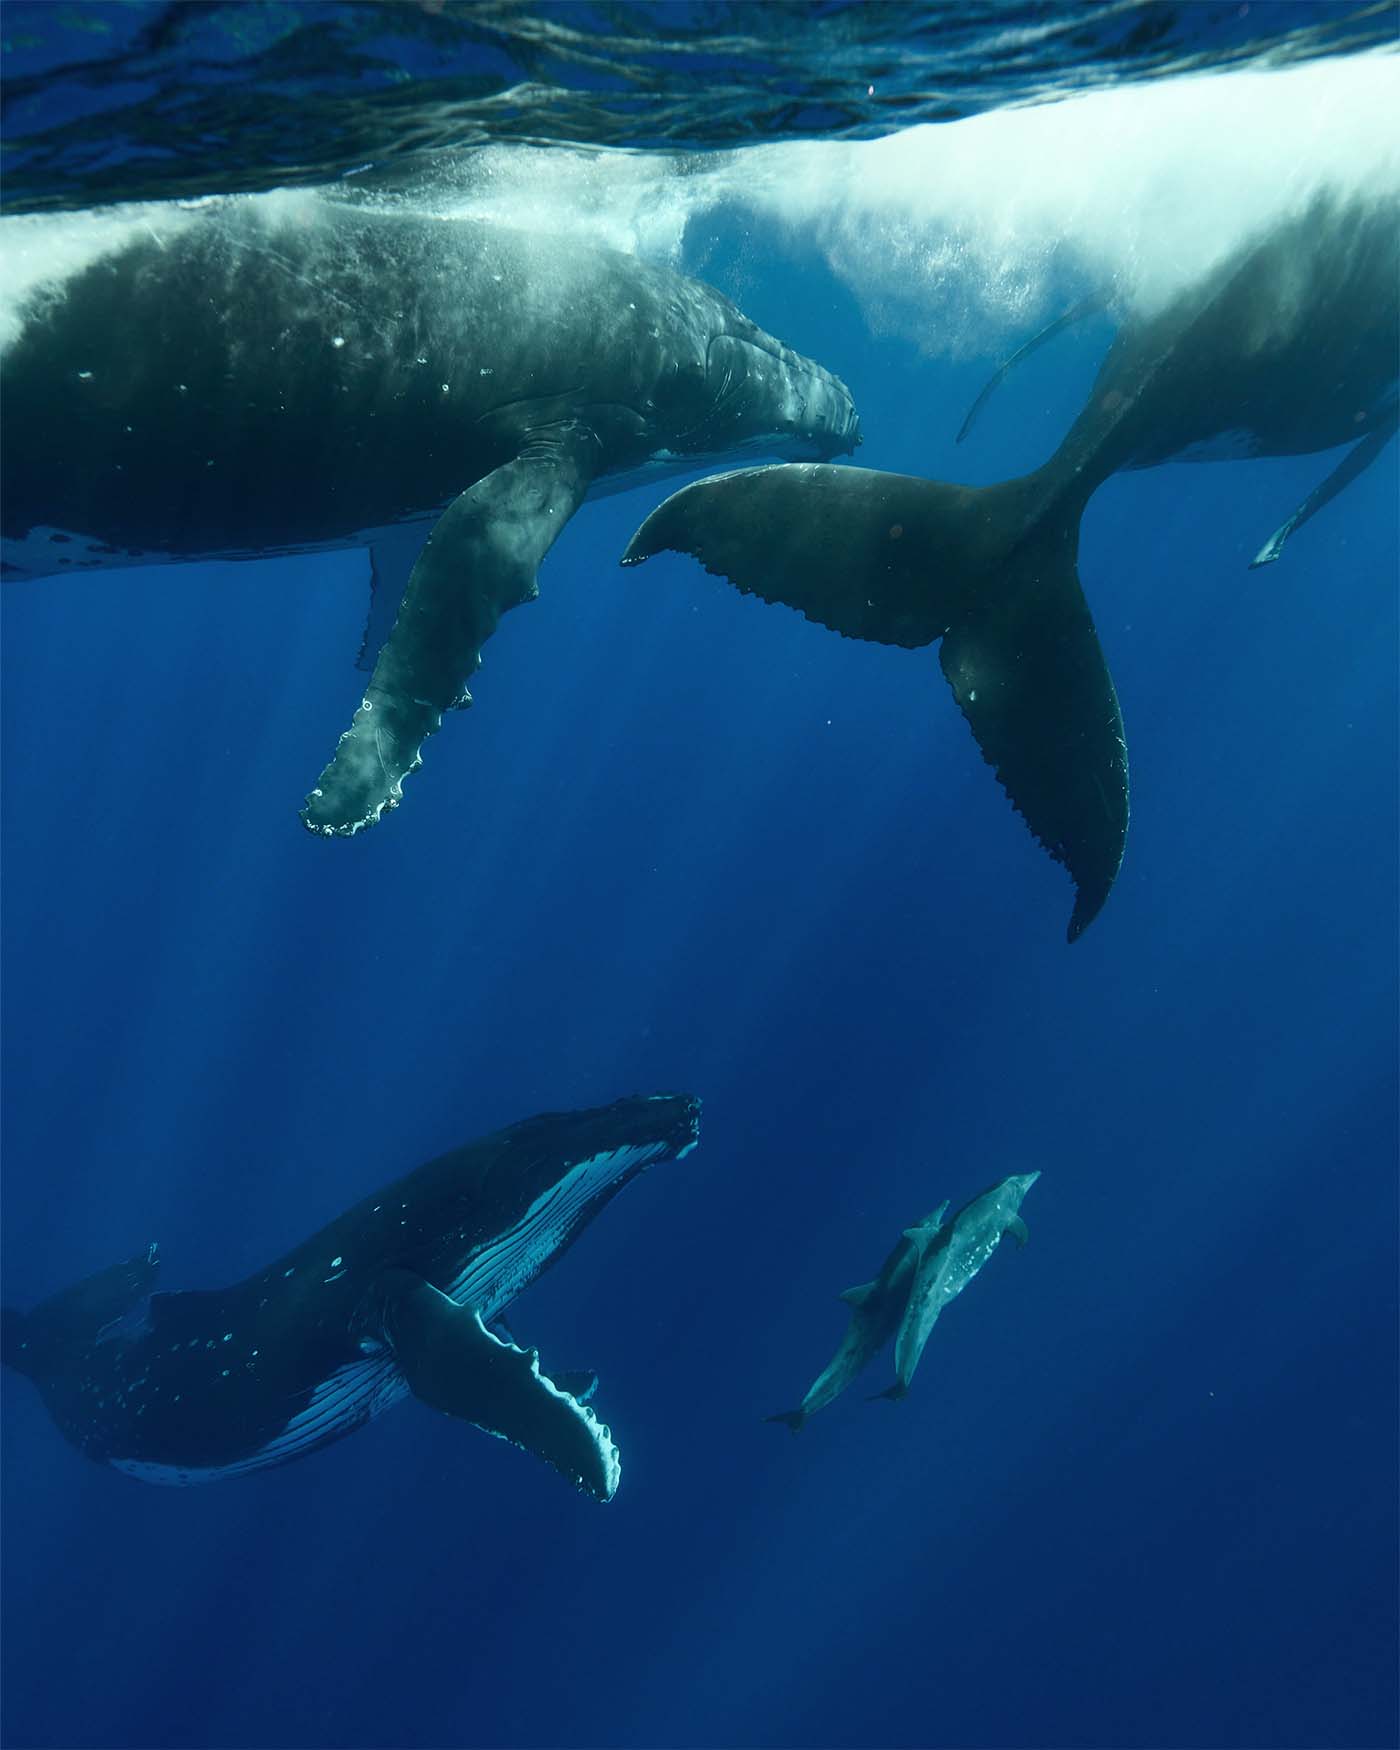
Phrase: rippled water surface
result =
(134, 99)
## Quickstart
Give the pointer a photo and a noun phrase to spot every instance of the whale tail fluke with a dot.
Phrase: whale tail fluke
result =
(794, 1419)
(992, 572)
(894, 1394)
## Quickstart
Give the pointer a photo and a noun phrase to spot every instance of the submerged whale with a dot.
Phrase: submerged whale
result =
(931, 1263)
(394, 1297)
(1288, 347)
(276, 374)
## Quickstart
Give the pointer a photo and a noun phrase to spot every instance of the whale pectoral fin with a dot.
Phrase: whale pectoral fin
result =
(580, 1383)
(858, 1295)
(838, 544)
(1029, 675)
(1089, 306)
(1018, 1230)
(1356, 461)
(452, 1362)
(393, 552)
(479, 561)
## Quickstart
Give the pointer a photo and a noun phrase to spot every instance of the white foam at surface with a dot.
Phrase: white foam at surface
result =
(951, 235)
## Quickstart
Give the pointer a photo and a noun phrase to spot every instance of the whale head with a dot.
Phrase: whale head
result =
(545, 1180)
(743, 391)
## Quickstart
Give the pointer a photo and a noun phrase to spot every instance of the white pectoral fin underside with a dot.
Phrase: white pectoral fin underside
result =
(452, 1362)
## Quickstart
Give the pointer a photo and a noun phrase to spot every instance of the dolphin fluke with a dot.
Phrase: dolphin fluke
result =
(794, 1419)
(989, 570)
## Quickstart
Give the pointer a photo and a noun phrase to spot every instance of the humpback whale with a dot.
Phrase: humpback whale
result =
(931, 1263)
(275, 374)
(1288, 347)
(397, 1296)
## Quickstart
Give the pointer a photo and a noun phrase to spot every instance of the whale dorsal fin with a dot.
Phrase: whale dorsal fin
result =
(858, 1295)
(453, 1362)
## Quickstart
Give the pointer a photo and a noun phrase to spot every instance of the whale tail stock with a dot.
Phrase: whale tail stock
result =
(991, 571)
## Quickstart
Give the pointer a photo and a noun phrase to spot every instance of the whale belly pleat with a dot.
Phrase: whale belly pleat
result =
(492, 1277)
(342, 1402)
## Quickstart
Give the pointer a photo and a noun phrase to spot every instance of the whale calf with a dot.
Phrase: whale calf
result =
(1288, 347)
(395, 1297)
(931, 1263)
(275, 374)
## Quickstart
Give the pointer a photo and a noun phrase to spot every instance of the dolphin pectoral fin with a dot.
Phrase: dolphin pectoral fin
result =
(479, 561)
(838, 544)
(1018, 1230)
(1356, 461)
(1029, 675)
(858, 1295)
(452, 1362)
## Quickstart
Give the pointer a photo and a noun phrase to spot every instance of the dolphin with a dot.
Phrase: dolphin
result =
(930, 1263)
(290, 373)
(875, 1311)
(948, 1259)
(397, 1296)
(1287, 347)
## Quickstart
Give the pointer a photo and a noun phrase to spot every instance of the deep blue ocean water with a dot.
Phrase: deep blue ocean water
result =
(1143, 1490)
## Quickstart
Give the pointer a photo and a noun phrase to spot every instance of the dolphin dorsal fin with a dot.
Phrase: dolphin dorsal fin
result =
(858, 1295)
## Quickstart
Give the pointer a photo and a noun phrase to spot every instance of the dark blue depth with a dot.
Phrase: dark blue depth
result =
(1142, 1492)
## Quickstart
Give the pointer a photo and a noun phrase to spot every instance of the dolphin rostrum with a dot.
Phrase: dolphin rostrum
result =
(271, 374)
(397, 1296)
(931, 1263)
(1288, 347)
